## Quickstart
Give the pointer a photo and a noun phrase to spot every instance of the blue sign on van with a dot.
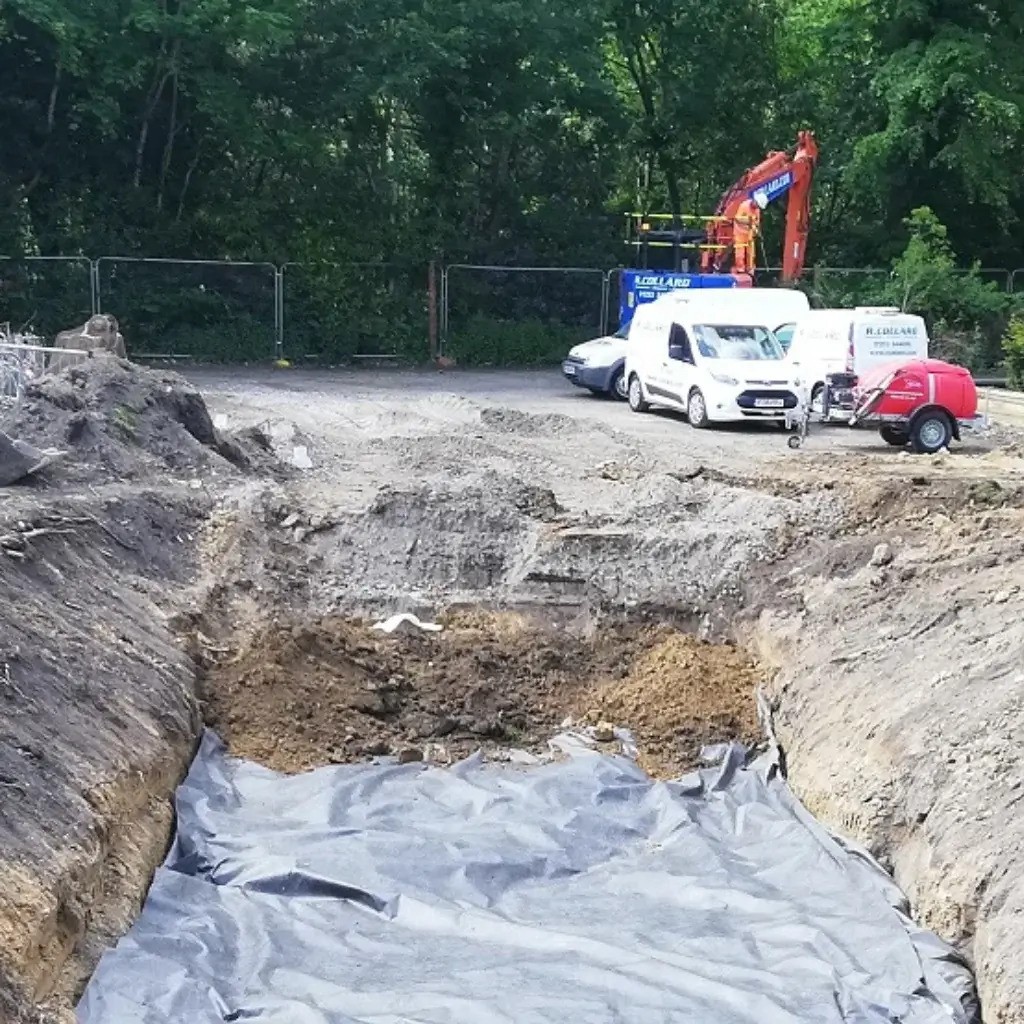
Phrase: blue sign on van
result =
(640, 286)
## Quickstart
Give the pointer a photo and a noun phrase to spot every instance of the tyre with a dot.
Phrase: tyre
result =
(697, 410)
(931, 431)
(635, 395)
(897, 438)
(818, 399)
(617, 386)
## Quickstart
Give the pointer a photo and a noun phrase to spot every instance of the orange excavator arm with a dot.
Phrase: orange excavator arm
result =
(779, 174)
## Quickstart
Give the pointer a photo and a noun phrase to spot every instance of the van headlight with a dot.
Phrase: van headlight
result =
(724, 378)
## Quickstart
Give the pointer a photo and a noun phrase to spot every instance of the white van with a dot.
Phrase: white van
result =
(852, 341)
(599, 365)
(713, 367)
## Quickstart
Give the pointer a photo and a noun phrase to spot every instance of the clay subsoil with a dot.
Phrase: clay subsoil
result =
(592, 569)
(331, 691)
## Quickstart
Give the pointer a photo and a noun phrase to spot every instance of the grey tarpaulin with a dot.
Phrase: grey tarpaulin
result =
(572, 891)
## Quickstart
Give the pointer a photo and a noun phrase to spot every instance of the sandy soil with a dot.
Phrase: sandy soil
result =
(329, 691)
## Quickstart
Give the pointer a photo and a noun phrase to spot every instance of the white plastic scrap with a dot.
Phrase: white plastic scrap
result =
(300, 457)
(396, 621)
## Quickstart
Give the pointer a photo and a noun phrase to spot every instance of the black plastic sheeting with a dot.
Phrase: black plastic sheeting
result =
(572, 891)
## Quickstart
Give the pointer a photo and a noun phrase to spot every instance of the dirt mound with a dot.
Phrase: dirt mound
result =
(300, 695)
(121, 421)
(680, 695)
(511, 421)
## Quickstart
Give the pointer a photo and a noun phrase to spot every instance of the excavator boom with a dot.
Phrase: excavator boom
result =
(779, 174)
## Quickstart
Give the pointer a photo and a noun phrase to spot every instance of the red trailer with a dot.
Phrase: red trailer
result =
(920, 402)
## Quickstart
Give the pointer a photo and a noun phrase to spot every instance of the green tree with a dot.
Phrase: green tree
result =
(966, 313)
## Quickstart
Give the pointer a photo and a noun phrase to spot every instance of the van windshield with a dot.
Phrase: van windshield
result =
(730, 341)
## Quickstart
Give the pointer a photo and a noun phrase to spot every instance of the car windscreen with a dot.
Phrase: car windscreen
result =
(732, 341)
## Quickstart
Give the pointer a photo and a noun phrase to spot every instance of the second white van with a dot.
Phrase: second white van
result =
(851, 341)
(716, 368)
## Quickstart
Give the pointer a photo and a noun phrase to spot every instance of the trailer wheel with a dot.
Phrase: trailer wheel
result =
(897, 438)
(931, 431)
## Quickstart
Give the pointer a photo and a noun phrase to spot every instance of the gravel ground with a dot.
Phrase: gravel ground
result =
(885, 588)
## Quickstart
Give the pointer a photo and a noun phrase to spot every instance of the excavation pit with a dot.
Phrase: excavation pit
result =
(172, 579)
(297, 694)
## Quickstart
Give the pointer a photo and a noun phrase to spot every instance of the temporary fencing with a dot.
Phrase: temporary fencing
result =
(46, 294)
(333, 311)
(192, 309)
(514, 315)
(234, 311)
(23, 358)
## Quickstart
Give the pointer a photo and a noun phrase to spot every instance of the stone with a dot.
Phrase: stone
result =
(604, 732)
(882, 555)
(98, 334)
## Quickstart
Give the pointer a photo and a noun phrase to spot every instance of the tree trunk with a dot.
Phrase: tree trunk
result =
(172, 131)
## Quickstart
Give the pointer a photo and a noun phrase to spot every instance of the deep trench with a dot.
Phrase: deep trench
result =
(256, 661)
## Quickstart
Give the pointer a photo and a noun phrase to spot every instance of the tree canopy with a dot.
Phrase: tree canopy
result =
(506, 130)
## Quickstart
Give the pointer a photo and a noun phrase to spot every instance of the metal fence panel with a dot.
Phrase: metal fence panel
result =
(992, 275)
(845, 287)
(192, 309)
(505, 315)
(24, 359)
(334, 312)
(45, 294)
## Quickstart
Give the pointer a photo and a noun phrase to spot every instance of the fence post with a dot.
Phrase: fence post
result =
(605, 288)
(432, 308)
(279, 313)
(443, 342)
(94, 286)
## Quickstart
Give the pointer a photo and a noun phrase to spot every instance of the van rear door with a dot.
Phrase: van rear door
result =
(887, 338)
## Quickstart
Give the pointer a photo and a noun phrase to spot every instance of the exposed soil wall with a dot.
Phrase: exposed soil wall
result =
(97, 722)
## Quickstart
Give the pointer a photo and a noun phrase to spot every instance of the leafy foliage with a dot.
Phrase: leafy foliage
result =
(1013, 348)
(510, 132)
(966, 313)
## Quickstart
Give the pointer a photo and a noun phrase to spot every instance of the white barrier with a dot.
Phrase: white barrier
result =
(22, 362)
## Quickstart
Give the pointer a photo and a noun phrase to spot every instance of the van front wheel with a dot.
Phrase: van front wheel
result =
(637, 402)
(697, 410)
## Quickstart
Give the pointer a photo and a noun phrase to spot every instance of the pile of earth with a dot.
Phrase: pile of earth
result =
(124, 422)
(297, 695)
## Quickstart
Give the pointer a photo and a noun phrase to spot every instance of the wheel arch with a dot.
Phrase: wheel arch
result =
(933, 407)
